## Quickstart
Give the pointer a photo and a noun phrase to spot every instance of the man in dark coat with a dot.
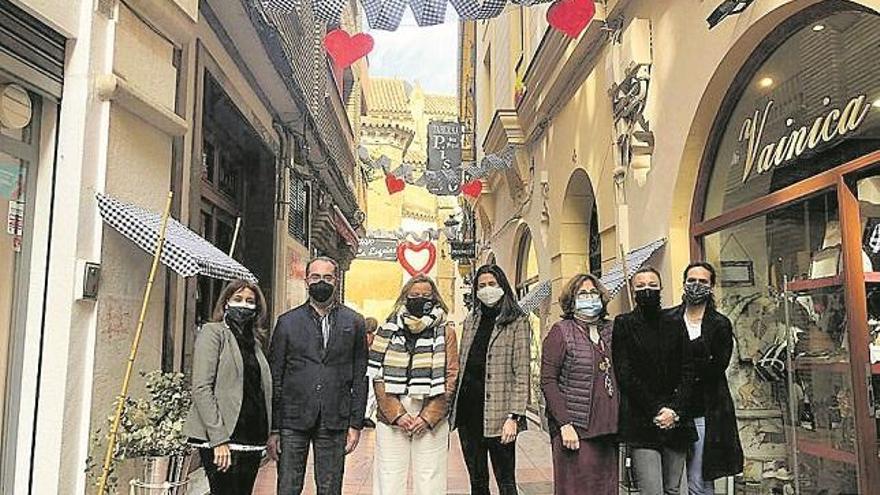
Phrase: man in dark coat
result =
(318, 358)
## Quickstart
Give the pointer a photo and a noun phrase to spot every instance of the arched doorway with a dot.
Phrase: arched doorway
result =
(788, 208)
(525, 279)
(580, 243)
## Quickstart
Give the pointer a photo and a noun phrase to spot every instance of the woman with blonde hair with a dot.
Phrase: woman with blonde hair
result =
(231, 390)
(414, 366)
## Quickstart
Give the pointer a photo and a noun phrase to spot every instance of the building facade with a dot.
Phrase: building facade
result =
(751, 144)
(395, 125)
(233, 108)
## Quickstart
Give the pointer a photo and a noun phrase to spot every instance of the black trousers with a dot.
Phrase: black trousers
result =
(477, 450)
(238, 479)
(329, 448)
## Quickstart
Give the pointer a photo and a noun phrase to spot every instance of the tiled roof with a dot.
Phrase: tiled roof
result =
(441, 105)
(387, 96)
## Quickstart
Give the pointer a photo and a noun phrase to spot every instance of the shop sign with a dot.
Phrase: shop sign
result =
(376, 248)
(444, 145)
(462, 250)
(833, 125)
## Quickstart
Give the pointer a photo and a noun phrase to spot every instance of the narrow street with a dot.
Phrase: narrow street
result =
(534, 468)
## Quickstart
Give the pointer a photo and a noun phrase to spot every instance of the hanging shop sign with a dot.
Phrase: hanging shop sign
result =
(462, 250)
(444, 145)
(377, 248)
(833, 125)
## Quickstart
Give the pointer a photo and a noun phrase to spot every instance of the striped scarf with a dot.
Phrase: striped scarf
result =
(422, 375)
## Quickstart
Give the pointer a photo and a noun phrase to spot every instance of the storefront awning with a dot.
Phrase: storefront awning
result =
(531, 301)
(614, 280)
(184, 251)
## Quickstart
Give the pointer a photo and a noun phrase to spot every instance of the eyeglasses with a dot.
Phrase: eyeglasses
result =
(316, 277)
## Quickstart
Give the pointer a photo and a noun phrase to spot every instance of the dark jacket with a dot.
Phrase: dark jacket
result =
(568, 369)
(654, 369)
(311, 382)
(218, 384)
(722, 452)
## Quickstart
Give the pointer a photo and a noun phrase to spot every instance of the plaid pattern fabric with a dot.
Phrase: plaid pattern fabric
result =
(327, 10)
(495, 161)
(507, 373)
(423, 374)
(184, 251)
(615, 279)
(384, 14)
(531, 301)
(429, 12)
(286, 6)
(475, 9)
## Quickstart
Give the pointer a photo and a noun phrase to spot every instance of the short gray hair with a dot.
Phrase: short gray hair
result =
(325, 259)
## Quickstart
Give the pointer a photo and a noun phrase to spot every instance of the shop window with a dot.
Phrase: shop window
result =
(595, 253)
(298, 210)
(813, 104)
(526, 279)
(796, 270)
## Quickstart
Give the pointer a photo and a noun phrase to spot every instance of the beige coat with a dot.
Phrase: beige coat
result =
(507, 371)
(218, 385)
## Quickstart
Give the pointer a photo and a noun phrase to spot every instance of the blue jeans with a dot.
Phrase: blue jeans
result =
(696, 484)
(658, 472)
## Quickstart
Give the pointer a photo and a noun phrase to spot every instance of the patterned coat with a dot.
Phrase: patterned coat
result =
(507, 371)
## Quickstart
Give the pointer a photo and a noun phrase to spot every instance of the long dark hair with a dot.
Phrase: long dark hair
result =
(569, 294)
(508, 309)
(227, 293)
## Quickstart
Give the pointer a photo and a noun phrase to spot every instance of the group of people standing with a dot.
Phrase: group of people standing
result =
(652, 378)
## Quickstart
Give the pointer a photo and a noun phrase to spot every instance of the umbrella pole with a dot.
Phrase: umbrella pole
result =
(235, 236)
(120, 400)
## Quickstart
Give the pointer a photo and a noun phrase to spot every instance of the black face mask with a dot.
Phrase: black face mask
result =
(241, 318)
(648, 299)
(419, 306)
(321, 291)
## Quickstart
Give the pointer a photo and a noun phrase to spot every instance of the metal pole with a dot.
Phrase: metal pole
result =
(235, 236)
(626, 284)
(120, 400)
(792, 396)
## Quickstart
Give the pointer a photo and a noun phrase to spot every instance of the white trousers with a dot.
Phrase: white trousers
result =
(398, 454)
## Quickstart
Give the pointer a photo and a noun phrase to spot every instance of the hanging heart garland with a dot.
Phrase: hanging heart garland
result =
(475, 9)
(345, 49)
(571, 16)
(473, 189)
(394, 184)
(407, 246)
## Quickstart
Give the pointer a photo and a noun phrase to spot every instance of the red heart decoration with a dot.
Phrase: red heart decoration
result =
(345, 49)
(571, 16)
(394, 184)
(403, 247)
(473, 189)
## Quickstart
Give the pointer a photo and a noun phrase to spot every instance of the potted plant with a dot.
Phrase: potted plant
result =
(151, 430)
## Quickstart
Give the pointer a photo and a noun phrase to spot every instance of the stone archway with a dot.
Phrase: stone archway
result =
(579, 246)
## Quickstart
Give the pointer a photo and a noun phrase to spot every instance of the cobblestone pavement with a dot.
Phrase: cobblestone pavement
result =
(534, 468)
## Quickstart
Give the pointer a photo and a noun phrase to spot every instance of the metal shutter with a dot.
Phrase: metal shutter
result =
(31, 50)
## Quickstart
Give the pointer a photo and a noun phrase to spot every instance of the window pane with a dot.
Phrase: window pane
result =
(803, 243)
(813, 105)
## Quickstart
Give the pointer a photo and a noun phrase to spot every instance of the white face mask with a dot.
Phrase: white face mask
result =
(490, 295)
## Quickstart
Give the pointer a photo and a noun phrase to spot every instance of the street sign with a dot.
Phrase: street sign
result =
(377, 248)
(462, 250)
(443, 172)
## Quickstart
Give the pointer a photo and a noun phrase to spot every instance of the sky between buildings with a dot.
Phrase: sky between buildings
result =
(427, 55)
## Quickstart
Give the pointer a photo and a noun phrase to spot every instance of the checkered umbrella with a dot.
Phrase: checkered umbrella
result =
(184, 251)
(615, 279)
(532, 301)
